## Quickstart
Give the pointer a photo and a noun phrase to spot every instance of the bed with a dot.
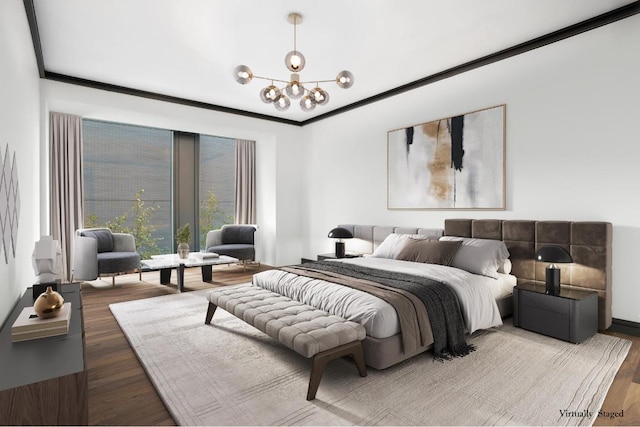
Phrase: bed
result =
(484, 297)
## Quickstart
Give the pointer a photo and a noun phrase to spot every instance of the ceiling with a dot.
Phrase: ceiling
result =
(188, 49)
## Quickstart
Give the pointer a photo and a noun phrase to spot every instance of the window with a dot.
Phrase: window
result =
(216, 183)
(123, 163)
(129, 177)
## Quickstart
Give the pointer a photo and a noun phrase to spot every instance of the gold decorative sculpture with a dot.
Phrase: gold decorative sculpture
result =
(48, 304)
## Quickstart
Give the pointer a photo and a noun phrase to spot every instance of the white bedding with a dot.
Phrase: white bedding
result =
(477, 294)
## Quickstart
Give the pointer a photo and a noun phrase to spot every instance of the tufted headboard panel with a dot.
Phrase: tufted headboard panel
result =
(368, 237)
(589, 243)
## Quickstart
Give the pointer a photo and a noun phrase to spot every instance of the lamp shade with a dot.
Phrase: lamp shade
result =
(340, 233)
(553, 254)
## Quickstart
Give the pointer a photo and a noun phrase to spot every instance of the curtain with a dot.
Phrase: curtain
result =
(66, 187)
(245, 185)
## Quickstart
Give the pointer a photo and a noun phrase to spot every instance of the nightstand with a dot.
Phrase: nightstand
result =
(333, 256)
(571, 316)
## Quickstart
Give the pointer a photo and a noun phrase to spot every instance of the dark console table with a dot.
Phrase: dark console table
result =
(45, 380)
(571, 316)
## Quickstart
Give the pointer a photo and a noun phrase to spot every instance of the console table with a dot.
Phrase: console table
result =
(45, 380)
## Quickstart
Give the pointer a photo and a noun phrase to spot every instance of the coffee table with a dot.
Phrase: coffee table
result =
(166, 263)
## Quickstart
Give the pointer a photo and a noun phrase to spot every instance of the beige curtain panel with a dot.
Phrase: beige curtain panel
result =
(66, 188)
(245, 182)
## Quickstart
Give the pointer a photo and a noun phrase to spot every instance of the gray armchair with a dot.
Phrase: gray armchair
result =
(238, 241)
(98, 252)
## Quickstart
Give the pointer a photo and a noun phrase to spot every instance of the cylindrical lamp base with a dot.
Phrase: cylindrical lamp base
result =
(552, 281)
(340, 251)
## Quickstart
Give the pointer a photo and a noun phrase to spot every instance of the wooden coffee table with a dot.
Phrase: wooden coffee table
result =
(166, 263)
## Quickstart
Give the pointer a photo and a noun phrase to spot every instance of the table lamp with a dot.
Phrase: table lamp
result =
(553, 255)
(340, 233)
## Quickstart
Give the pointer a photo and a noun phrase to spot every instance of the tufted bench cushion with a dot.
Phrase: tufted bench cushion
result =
(305, 329)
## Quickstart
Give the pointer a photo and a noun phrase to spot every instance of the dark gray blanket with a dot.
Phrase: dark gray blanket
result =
(441, 302)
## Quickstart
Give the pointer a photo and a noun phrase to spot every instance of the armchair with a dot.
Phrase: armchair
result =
(98, 252)
(238, 241)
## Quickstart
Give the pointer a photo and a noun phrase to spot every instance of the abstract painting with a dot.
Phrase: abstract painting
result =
(452, 163)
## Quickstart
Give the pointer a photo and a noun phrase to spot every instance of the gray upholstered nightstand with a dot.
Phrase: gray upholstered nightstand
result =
(571, 316)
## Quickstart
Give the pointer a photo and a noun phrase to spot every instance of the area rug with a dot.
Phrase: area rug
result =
(229, 373)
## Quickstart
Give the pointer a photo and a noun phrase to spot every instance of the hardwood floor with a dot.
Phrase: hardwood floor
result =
(120, 393)
(622, 404)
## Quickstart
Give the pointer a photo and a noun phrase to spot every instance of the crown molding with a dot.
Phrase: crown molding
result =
(556, 36)
(553, 37)
(161, 97)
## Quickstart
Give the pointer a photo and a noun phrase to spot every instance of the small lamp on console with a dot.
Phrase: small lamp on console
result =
(553, 255)
(340, 233)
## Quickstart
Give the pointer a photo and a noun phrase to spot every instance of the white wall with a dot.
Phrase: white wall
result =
(19, 130)
(573, 151)
(572, 112)
(277, 150)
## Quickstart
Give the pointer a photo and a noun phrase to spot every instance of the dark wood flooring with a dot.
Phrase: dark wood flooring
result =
(120, 393)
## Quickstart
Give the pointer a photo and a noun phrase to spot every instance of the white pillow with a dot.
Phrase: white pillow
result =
(393, 244)
(479, 256)
(506, 267)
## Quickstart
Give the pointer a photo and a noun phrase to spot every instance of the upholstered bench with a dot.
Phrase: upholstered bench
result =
(310, 332)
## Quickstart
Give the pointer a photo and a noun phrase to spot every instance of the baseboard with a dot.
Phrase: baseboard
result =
(625, 327)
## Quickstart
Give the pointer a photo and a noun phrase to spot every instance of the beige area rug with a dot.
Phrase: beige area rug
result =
(229, 373)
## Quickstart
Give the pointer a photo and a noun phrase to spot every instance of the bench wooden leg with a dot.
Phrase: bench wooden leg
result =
(210, 312)
(320, 360)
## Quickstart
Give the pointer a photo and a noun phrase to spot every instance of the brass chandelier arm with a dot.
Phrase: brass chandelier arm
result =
(287, 81)
(318, 81)
(272, 80)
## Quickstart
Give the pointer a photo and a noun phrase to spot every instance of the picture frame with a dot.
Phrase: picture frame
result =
(453, 163)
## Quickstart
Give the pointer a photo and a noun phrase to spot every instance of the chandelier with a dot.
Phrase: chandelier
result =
(293, 88)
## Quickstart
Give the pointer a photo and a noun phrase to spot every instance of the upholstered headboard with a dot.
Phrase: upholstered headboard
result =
(589, 244)
(368, 237)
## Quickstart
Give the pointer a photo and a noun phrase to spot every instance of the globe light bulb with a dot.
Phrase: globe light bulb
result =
(295, 61)
(282, 103)
(243, 74)
(307, 103)
(345, 79)
(294, 89)
(320, 96)
(269, 94)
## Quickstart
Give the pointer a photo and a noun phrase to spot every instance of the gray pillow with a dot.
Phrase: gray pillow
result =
(104, 238)
(393, 244)
(479, 256)
(429, 251)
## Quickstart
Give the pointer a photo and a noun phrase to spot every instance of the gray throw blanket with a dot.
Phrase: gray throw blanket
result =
(441, 302)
